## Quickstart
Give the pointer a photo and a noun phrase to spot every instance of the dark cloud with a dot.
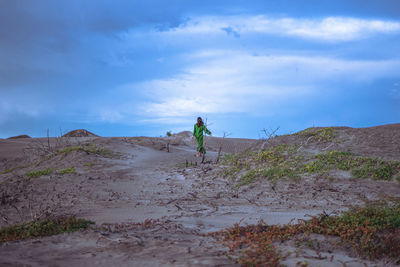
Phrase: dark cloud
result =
(231, 31)
(38, 37)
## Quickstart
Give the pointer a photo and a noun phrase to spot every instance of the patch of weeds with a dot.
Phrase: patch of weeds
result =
(319, 134)
(231, 171)
(68, 150)
(36, 174)
(273, 174)
(398, 178)
(89, 164)
(247, 165)
(249, 177)
(13, 169)
(359, 167)
(372, 231)
(361, 172)
(92, 148)
(277, 162)
(230, 159)
(235, 163)
(314, 167)
(88, 148)
(283, 161)
(43, 228)
(384, 172)
(255, 243)
(67, 170)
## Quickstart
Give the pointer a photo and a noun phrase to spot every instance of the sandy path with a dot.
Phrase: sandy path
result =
(149, 183)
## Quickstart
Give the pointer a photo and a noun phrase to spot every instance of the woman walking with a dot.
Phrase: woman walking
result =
(198, 130)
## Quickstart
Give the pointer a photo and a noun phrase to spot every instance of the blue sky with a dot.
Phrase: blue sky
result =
(128, 68)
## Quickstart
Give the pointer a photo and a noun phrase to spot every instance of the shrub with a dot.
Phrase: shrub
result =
(372, 231)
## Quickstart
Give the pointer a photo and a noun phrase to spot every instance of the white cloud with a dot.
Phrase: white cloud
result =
(331, 29)
(221, 82)
(238, 82)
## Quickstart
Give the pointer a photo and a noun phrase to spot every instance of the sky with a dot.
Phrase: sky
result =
(132, 68)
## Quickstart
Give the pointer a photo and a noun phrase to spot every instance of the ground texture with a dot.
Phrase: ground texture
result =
(154, 203)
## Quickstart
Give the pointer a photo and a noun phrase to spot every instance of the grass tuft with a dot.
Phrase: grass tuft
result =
(68, 170)
(319, 134)
(36, 174)
(88, 148)
(43, 228)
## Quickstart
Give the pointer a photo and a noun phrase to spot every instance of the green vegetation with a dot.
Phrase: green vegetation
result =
(371, 231)
(88, 148)
(89, 164)
(283, 161)
(13, 169)
(359, 167)
(278, 162)
(318, 134)
(47, 171)
(36, 174)
(43, 228)
(68, 170)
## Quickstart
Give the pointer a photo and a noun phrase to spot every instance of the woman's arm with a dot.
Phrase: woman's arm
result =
(207, 131)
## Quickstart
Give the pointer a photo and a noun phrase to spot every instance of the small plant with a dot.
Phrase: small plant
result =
(314, 167)
(249, 177)
(319, 134)
(89, 164)
(88, 148)
(68, 170)
(169, 134)
(36, 174)
(43, 228)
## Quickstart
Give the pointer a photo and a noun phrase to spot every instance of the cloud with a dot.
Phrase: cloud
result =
(38, 40)
(231, 31)
(11, 107)
(329, 29)
(238, 82)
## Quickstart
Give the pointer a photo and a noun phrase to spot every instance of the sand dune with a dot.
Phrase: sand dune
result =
(129, 180)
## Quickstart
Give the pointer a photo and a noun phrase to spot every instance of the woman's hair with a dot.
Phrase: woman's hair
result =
(199, 122)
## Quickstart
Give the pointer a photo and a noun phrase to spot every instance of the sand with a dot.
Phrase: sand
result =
(144, 182)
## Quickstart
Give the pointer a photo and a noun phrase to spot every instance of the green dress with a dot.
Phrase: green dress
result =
(198, 133)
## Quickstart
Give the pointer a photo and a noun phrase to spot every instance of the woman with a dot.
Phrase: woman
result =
(198, 130)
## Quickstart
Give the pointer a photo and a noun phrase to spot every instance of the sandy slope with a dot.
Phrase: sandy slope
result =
(146, 182)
